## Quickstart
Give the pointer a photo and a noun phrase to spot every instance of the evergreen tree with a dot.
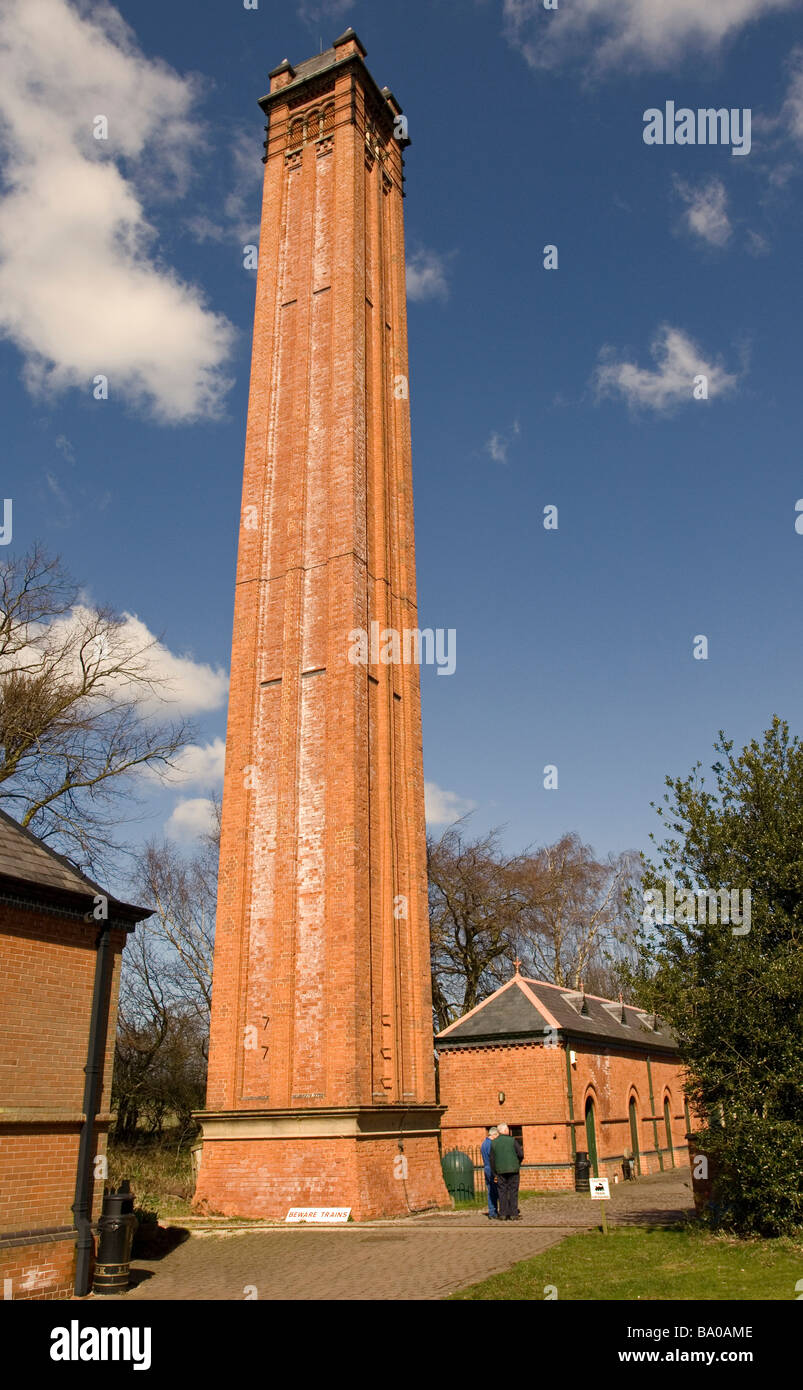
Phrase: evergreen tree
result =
(733, 991)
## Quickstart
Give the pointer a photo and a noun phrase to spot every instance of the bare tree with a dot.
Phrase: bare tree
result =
(183, 892)
(563, 912)
(160, 1052)
(166, 989)
(574, 920)
(474, 911)
(79, 701)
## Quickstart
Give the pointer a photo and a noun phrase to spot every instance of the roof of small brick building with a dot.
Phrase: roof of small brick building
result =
(30, 867)
(533, 1009)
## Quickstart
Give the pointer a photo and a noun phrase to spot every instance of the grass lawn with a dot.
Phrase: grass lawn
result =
(651, 1263)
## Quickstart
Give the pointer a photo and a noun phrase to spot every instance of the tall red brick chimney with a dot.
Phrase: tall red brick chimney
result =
(321, 1082)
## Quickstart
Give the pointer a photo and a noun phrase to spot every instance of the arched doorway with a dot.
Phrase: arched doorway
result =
(668, 1124)
(591, 1137)
(634, 1144)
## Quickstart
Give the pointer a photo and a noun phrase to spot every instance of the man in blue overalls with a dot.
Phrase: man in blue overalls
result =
(490, 1178)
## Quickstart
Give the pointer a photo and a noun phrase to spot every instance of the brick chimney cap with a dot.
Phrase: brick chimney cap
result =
(392, 100)
(348, 37)
(284, 66)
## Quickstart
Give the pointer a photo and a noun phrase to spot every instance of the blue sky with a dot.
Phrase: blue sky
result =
(529, 387)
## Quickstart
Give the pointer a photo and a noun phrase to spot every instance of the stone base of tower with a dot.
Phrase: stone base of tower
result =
(380, 1161)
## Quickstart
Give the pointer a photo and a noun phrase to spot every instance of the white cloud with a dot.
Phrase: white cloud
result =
(644, 33)
(313, 11)
(498, 444)
(65, 447)
(757, 244)
(190, 687)
(191, 819)
(57, 490)
(185, 687)
(792, 111)
(670, 383)
(706, 210)
(443, 808)
(497, 448)
(241, 206)
(82, 291)
(426, 276)
(202, 765)
(198, 765)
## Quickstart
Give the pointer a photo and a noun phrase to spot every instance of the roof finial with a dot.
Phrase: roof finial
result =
(517, 964)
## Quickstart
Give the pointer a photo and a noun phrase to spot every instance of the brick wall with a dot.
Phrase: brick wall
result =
(47, 969)
(266, 1179)
(534, 1081)
(39, 1268)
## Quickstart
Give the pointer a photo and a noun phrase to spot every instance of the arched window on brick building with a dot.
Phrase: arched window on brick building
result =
(668, 1124)
(632, 1114)
(591, 1136)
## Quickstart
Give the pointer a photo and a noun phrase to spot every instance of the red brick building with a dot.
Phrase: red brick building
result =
(54, 965)
(567, 1071)
(321, 1080)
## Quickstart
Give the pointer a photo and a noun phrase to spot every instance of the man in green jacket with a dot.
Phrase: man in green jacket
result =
(506, 1156)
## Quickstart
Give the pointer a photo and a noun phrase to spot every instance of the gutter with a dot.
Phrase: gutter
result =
(84, 1177)
(570, 1097)
(654, 1120)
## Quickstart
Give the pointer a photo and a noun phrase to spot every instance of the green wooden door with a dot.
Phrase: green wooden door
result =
(591, 1137)
(668, 1123)
(634, 1135)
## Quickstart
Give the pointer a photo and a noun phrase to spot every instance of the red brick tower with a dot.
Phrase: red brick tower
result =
(321, 1081)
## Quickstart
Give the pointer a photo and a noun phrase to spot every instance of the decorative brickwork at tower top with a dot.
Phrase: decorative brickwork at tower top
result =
(321, 1073)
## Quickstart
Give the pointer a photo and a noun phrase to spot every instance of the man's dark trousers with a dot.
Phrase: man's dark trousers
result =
(508, 1195)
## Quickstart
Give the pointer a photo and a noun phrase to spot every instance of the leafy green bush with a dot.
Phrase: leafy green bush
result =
(756, 1166)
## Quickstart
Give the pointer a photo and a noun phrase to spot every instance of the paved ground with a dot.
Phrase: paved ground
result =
(417, 1258)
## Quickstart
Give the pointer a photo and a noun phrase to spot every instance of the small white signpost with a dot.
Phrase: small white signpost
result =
(318, 1216)
(601, 1192)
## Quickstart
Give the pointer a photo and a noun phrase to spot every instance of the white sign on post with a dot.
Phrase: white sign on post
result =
(600, 1190)
(325, 1216)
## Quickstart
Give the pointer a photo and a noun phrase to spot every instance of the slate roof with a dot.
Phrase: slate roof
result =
(29, 868)
(312, 66)
(525, 1008)
(320, 63)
